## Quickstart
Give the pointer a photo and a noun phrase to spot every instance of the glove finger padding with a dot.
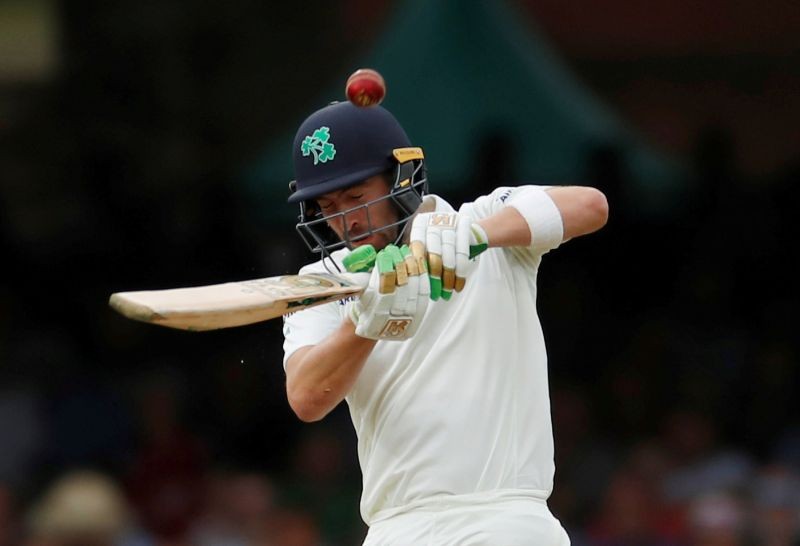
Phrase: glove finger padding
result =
(471, 240)
(463, 264)
(389, 308)
(433, 242)
(448, 262)
(418, 290)
(451, 241)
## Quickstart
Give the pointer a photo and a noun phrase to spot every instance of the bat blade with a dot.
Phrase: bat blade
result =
(232, 304)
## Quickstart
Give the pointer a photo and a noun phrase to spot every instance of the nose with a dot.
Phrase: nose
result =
(356, 221)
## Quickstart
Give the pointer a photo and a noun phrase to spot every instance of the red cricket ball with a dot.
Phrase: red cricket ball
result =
(365, 87)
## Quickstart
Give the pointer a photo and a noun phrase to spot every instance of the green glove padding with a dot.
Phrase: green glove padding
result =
(360, 260)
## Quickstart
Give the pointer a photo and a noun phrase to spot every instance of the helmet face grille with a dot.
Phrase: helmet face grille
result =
(409, 184)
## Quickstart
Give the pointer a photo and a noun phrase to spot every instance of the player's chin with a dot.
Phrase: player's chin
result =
(377, 242)
(364, 242)
(378, 239)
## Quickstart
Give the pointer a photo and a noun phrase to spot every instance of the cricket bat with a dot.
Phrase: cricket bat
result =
(226, 305)
(232, 304)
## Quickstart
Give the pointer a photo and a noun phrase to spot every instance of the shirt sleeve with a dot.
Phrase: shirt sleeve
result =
(309, 327)
(546, 239)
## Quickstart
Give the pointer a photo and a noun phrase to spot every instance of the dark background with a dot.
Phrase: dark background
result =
(125, 131)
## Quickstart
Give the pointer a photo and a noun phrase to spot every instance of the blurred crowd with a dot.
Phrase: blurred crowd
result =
(684, 486)
(672, 366)
(671, 333)
(171, 488)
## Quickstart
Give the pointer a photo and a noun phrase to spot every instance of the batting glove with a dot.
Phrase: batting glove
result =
(394, 302)
(449, 242)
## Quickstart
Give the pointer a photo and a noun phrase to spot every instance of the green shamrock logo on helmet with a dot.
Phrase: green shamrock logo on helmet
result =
(318, 145)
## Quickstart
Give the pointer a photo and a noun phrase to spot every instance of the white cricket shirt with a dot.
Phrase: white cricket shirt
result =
(462, 409)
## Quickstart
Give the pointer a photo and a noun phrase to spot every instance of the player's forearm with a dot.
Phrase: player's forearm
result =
(582, 210)
(319, 377)
(506, 228)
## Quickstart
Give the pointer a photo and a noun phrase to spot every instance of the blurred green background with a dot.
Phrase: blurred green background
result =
(146, 145)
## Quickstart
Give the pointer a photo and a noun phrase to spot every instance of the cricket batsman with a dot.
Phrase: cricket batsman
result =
(442, 360)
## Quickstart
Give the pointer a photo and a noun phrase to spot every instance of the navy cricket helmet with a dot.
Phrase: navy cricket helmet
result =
(342, 145)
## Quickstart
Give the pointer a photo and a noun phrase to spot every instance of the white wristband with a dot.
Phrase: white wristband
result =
(543, 217)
